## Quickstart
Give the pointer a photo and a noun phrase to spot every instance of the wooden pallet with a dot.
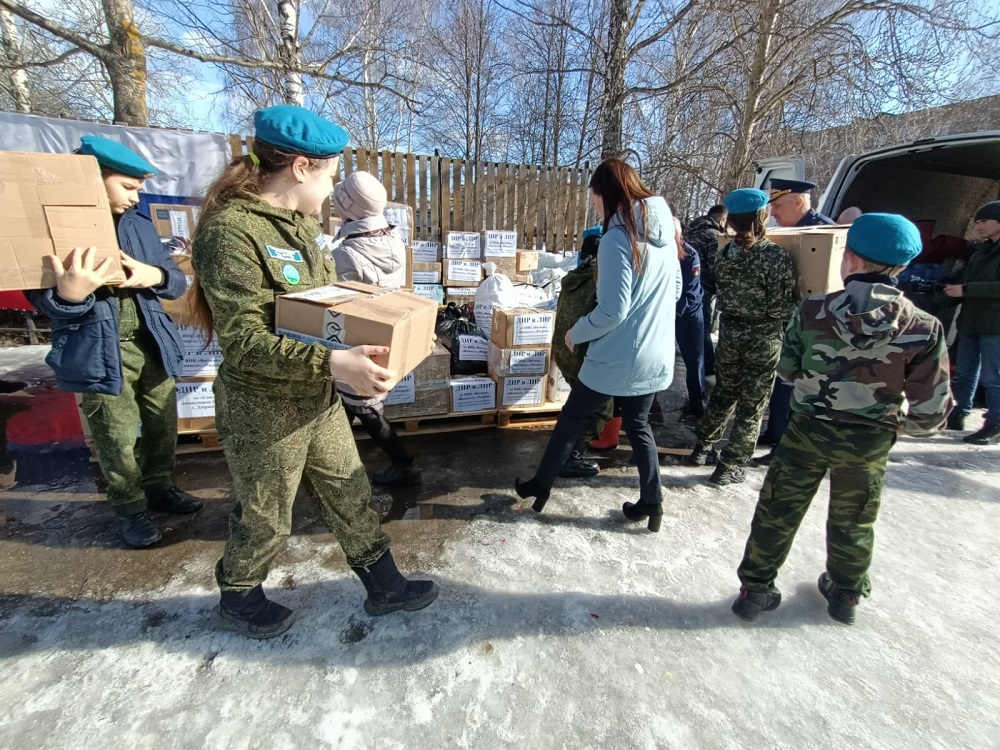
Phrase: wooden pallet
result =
(526, 417)
(453, 422)
(207, 441)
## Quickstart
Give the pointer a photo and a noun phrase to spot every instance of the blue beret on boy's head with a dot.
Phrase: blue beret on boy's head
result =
(299, 131)
(781, 187)
(745, 201)
(884, 238)
(595, 231)
(115, 157)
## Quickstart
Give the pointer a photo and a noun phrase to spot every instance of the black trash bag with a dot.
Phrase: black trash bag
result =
(457, 330)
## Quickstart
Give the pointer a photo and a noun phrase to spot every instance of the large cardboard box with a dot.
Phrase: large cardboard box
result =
(516, 391)
(522, 328)
(351, 314)
(504, 362)
(461, 272)
(506, 266)
(425, 391)
(201, 358)
(433, 292)
(179, 309)
(499, 244)
(49, 204)
(817, 253)
(195, 405)
(472, 394)
(527, 260)
(426, 252)
(461, 295)
(427, 402)
(424, 273)
(462, 245)
(174, 220)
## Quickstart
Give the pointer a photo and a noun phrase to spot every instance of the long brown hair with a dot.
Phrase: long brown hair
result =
(749, 228)
(243, 176)
(619, 187)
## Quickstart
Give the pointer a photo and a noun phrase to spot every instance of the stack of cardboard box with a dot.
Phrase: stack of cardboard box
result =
(424, 272)
(424, 392)
(519, 356)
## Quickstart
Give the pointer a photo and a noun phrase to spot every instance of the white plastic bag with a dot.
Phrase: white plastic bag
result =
(495, 291)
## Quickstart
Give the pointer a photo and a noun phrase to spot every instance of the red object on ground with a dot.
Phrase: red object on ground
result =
(52, 418)
(15, 301)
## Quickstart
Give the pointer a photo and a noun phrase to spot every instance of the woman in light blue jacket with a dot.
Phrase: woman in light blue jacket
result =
(630, 334)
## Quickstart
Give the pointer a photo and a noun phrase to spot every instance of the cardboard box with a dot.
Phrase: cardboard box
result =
(558, 389)
(49, 204)
(195, 405)
(472, 394)
(527, 260)
(435, 371)
(424, 273)
(460, 295)
(425, 391)
(506, 266)
(179, 309)
(201, 358)
(817, 253)
(462, 245)
(499, 244)
(174, 220)
(504, 362)
(351, 314)
(461, 272)
(428, 402)
(522, 279)
(522, 328)
(521, 390)
(426, 252)
(433, 292)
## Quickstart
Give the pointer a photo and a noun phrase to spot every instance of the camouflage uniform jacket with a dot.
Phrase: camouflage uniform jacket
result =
(981, 300)
(245, 256)
(854, 355)
(703, 235)
(578, 297)
(756, 289)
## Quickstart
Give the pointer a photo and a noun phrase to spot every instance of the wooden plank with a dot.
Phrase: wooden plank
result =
(490, 207)
(236, 146)
(423, 222)
(457, 196)
(446, 197)
(362, 156)
(557, 211)
(343, 168)
(482, 183)
(399, 178)
(509, 197)
(573, 199)
(386, 176)
(435, 199)
(250, 141)
(584, 210)
(543, 199)
(411, 189)
(526, 189)
(474, 175)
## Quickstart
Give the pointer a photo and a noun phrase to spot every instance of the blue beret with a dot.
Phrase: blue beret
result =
(781, 187)
(884, 238)
(299, 131)
(745, 201)
(595, 231)
(115, 157)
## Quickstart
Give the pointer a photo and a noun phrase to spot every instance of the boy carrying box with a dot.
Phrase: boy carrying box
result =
(852, 356)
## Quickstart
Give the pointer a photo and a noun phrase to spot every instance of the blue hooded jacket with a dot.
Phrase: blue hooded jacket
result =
(86, 350)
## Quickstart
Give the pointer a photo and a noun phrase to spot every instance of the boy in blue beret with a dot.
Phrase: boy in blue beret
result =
(116, 346)
(853, 357)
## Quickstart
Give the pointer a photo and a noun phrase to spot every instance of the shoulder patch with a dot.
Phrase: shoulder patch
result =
(281, 253)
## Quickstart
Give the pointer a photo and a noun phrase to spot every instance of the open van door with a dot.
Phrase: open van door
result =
(782, 167)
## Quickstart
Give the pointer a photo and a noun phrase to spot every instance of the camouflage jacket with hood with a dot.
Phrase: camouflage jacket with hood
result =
(854, 355)
(577, 297)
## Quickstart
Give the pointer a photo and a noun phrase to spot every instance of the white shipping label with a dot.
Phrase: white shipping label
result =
(528, 361)
(426, 277)
(472, 348)
(398, 216)
(533, 328)
(523, 391)
(462, 291)
(200, 360)
(500, 244)
(430, 291)
(179, 224)
(405, 392)
(195, 213)
(333, 293)
(473, 394)
(462, 245)
(464, 270)
(484, 315)
(195, 400)
(425, 252)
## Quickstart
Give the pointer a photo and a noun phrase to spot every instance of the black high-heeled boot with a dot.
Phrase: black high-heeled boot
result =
(530, 489)
(639, 511)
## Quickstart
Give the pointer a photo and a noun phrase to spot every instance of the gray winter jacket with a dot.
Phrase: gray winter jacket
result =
(370, 251)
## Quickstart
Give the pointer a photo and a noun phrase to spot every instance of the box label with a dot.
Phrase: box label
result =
(533, 328)
(333, 293)
(430, 291)
(179, 224)
(464, 270)
(472, 348)
(523, 391)
(306, 339)
(473, 394)
(425, 252)
(195, 400)
(199, 360)
(527, 361)
(463, 245)
(462, 291)
(405, 392)
(500, 244)
(425, 277)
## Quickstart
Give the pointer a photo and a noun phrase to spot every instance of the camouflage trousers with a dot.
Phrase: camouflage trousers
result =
(855, 456)
(148, 398)
(271, 444)
(744, 375)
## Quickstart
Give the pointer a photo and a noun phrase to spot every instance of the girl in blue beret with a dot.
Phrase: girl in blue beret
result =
(115, 345)
(278, 414)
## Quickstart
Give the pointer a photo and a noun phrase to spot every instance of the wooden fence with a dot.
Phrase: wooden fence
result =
(546, 206)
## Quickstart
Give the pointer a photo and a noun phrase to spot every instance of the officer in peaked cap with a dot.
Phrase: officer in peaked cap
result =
(791, 204)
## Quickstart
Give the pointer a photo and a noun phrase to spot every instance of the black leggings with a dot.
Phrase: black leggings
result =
(378, 428)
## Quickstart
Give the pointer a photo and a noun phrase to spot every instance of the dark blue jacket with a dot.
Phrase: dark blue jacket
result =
(814, 218)
(86, 351)
(692, 294)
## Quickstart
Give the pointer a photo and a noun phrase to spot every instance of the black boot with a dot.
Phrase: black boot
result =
(389, 591)
(956, 421)
(528, 489)
(989, 435)
(577, 466)
(639, 511)
(727, 474)
(252, 614)
(702, 455)
(174, 500)
(841, 604)
(139, 530)
(749, 604)
(399, 475)
(764, 460)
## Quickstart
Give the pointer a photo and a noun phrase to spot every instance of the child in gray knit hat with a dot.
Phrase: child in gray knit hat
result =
(368, 249)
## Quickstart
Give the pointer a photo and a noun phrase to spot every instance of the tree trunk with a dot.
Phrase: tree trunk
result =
(613, 104)
(290, 54)
(127, 63)
(12, 53)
